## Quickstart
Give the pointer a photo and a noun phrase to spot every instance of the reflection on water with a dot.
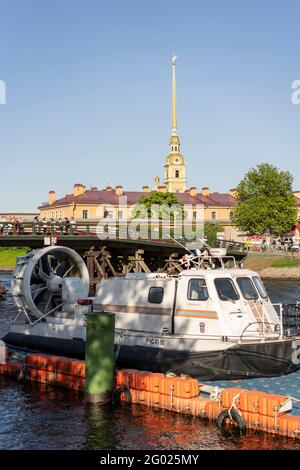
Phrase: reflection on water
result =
(283, 291)
(35, 416)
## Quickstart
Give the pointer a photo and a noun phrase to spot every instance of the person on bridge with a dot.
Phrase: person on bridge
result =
(45, 226)
(67, 226)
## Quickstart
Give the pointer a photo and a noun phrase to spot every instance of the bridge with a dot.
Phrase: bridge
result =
(111, 249)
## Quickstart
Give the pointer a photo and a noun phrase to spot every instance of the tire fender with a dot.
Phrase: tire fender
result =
(233, 415)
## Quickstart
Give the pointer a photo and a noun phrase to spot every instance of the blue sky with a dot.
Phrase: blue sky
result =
(89, 92)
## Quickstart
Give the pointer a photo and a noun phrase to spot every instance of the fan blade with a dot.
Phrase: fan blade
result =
(36, 290)
(35, 279)
(68, 270)
(44, 265)
(41, 274)
(61, 268)
(53, 261)
(39, 297)
(48, 302)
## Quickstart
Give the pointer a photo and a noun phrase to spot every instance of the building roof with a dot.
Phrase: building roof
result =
(110, 197)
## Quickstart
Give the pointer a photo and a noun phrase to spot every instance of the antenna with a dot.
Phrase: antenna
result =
(180, 244)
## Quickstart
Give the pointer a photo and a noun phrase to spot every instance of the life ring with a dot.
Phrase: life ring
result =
(233, 415)
(119, 392)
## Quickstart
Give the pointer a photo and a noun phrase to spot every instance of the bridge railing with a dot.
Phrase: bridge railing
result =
(106, 229)
(230, 245)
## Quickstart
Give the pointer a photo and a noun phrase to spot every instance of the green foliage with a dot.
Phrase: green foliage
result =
(265, 202)
(286, 263)
(8, 256)
(164, 205)
(210, 231)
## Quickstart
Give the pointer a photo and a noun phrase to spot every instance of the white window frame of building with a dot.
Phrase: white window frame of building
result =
(194, 215)
(85, 213)
(214, 215)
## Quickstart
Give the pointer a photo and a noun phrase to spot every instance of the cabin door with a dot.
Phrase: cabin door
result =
(194, 313)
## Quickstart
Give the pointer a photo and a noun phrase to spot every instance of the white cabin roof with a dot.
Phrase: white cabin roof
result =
(193, 272)
(217, 272)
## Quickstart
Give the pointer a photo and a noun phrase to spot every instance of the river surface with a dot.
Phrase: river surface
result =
(36, 416)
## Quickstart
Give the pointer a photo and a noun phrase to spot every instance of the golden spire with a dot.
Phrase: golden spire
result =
(174, 118)
(174, 134)
(174, 168)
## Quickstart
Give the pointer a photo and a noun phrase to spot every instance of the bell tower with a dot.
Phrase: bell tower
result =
(174, 168)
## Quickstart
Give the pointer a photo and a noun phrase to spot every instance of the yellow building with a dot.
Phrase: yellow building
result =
(94, 203)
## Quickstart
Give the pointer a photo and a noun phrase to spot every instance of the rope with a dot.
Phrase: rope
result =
(121, 340)
(294, 399)
(234, 405)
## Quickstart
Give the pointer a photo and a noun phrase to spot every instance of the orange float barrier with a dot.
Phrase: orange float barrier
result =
(155, 382)
(260, 410)
(228, 395)
(249, 400)
(270, 403)
(72, 367)
(252, 401)
(192, 406)
(11, 367)
(259, 422)
(179, 387)
(213, 409)
(289, 426)
(58, 379)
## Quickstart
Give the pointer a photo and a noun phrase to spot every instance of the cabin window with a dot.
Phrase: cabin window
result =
(260, 287)
(156, 295)
(247, 288)
(226, 289)
(197, 290)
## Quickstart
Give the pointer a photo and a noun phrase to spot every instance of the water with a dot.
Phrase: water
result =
(36, 416)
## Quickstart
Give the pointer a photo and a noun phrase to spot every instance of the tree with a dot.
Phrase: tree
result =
(210, 231)
(265, 202)
(157, 205)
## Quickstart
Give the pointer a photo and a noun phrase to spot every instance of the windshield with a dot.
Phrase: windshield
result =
(260, 287)
(247, 288)
(226, 289)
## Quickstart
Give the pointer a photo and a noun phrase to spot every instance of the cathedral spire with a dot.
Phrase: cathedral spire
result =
(174, 117)
(174, 167)
(174, 140)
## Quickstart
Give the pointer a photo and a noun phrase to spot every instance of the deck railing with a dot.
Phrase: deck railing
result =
(109, 229)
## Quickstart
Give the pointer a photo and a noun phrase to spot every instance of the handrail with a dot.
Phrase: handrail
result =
(257, 323)
(112, 227)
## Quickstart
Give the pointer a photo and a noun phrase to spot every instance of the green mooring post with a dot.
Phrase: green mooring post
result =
(99, 357)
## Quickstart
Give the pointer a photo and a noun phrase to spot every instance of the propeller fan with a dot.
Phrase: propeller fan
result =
(38, 279)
